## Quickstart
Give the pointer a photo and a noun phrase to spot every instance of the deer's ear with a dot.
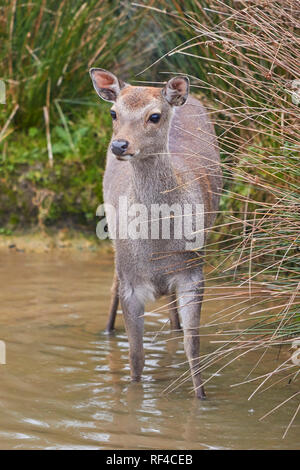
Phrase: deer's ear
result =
(106, 84)
(176, 91)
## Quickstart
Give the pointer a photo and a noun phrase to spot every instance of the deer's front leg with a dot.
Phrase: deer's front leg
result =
(133, 313)
(173, 313)
(190, 296)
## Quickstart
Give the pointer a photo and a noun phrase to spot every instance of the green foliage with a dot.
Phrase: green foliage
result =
(241, 58)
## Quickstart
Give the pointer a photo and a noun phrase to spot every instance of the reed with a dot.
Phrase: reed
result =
(243, 61)
(47, 48)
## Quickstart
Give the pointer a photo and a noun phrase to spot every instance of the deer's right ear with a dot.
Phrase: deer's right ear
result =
(106, 84)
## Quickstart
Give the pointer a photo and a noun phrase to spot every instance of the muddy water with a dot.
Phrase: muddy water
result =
(66, 384)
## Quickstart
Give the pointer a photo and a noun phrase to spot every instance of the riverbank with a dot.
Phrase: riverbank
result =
(43, 242)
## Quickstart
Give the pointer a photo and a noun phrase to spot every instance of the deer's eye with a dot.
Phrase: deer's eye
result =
(154, 117)
(113, 114)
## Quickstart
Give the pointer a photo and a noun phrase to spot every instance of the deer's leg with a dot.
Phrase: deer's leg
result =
(173, 313)
(113, 305)
(133, 313)
(190, 300)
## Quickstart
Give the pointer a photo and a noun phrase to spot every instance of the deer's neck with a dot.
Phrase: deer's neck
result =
(153, 178)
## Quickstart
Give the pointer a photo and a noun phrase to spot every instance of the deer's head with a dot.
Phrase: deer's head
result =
(141, 115)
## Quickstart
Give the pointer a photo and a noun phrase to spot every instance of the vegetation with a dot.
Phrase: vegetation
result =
(242, 58)
(53, 133)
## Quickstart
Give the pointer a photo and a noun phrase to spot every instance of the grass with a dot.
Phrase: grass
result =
(34, 193)
(242, 59)
(54, 133)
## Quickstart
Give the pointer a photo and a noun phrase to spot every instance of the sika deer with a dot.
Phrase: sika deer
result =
(164, 153)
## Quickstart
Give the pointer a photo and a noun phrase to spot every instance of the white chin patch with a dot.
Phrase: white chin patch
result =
(124, 158)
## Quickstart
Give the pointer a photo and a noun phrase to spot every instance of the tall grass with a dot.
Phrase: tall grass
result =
(243, 60)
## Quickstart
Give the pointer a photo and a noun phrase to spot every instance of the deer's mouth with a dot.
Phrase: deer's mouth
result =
(126, 157)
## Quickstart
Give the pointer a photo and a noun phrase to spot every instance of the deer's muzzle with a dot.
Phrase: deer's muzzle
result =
(119, 147)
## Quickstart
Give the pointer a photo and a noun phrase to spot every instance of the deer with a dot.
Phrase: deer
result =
(163, 150)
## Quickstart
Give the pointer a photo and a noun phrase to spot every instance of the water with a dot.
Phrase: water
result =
(66, 384)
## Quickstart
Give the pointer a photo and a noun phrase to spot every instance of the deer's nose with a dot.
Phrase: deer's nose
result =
(119, 147)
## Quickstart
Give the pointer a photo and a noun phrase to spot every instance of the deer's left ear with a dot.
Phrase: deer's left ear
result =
(106, 84)
(176, 91)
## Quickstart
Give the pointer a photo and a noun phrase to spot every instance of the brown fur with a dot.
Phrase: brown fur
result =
(136, 97)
